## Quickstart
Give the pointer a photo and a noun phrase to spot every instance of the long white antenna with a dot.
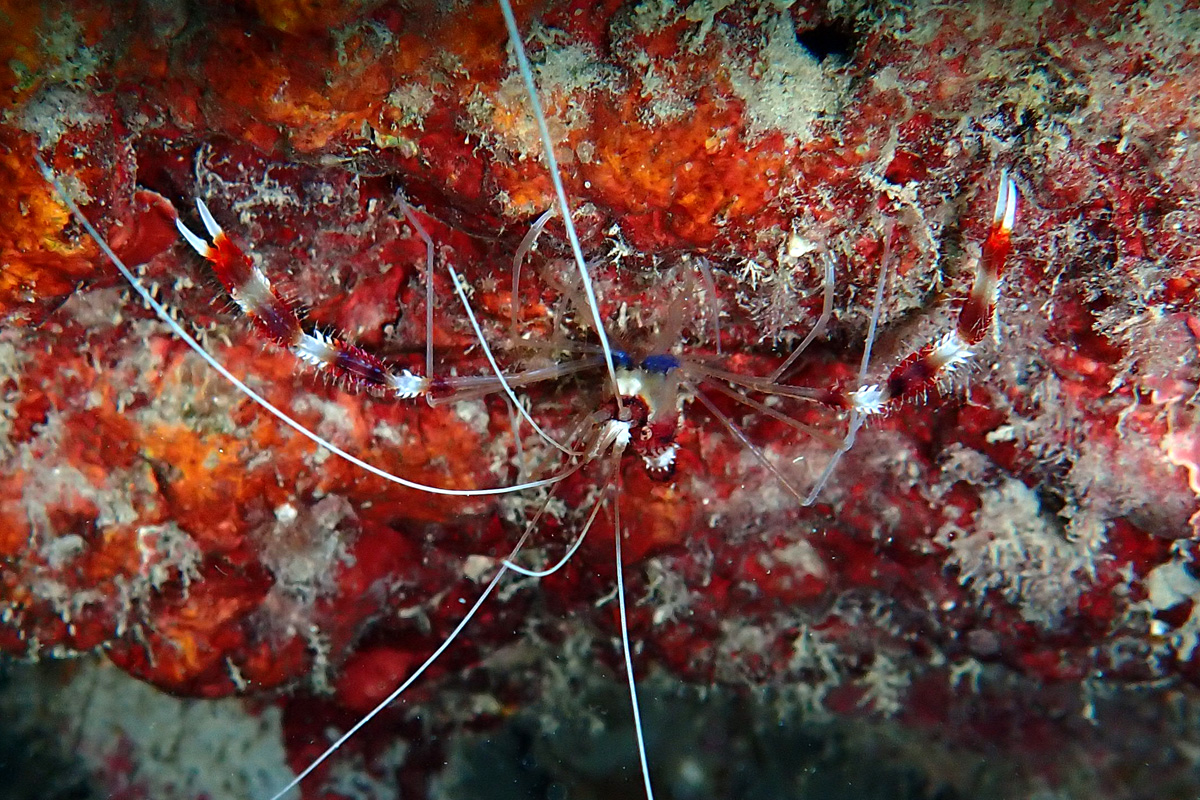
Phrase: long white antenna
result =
(399, 690)
(562, 562)
(637, 713)
(556, 179)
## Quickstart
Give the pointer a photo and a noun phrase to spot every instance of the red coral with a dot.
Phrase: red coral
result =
(149, 508)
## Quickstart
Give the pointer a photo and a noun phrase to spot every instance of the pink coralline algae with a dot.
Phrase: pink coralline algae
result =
(996, 566)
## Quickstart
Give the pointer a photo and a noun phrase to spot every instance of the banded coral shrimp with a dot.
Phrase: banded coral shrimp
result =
(924, 363)
(903, 385)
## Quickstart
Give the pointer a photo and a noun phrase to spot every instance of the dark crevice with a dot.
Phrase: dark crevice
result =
(830, 40)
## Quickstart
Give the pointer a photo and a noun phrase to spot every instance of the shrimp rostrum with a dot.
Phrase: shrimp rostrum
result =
(607, 416)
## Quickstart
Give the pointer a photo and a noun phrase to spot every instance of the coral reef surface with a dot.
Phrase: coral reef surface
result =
(1001, 569)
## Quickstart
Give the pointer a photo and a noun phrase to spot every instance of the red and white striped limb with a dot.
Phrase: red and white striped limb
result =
(279, 321)
(923, 368)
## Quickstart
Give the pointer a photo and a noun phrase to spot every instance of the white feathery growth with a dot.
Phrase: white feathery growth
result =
(951, 351)
(315, 349)
(664, 460)
(407, 385)
(868, 400)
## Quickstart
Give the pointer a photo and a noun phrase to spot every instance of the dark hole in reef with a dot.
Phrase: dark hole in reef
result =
(833, 39)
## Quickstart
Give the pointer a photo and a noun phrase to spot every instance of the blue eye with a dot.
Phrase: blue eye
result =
(621, 360)
(662, 363)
